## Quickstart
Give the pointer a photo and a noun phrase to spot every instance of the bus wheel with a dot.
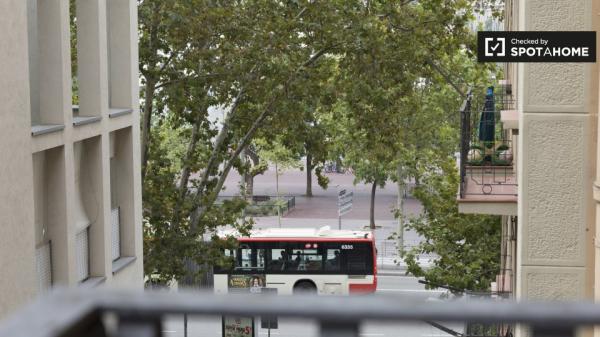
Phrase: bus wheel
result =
(305, 287)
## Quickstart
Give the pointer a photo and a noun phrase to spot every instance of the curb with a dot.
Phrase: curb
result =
(402, 274)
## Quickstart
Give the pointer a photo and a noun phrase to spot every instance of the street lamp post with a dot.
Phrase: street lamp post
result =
(277, 191)
(401, 194)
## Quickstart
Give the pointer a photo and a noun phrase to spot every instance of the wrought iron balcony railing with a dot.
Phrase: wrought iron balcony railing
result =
(77, 313)
(486, 151)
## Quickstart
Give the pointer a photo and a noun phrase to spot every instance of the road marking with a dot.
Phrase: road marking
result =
(414, 290)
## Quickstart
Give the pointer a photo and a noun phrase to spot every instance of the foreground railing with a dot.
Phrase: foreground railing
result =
(112, 313)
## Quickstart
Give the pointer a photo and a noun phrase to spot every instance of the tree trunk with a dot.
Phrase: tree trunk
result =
(185, 171)
(309, 169)
(249, 187)
(146, 121)
(372, 211)
(249, 179)
(200, 210)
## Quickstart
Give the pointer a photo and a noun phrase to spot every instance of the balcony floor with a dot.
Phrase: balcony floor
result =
(489, 190)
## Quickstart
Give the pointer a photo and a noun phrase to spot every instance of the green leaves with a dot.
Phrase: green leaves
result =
(468, 245)
(342, 80)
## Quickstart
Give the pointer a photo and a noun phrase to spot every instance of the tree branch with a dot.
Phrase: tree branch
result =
(445, 76)
(200, 211)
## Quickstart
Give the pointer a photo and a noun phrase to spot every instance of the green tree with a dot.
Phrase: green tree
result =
(262, 63)
(468, 245)
(257, 61)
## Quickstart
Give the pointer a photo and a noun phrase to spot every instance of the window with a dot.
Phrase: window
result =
(359, 259)
(333, 260)
(246, 258)
(354, 258)
(250, 259)
(279, 260)
(306, 260)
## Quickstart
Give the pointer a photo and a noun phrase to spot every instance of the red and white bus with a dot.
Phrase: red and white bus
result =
(321, 260)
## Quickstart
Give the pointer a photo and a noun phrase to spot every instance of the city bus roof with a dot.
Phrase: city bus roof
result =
(323, 233)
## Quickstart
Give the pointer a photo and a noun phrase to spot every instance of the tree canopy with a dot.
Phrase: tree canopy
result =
(366, 81)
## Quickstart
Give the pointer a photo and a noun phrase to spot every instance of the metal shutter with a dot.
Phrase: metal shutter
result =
(116, 233)
(82, 251)
(43, 265)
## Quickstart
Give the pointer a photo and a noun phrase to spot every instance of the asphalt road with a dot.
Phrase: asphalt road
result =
(392, 285)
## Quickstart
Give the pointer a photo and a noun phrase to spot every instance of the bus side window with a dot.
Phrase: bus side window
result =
(260, 258)
(333, 260)
(359, 260)
(245, 260)
(229, 253)
(279, 260)
(306, 260)
(251, 258)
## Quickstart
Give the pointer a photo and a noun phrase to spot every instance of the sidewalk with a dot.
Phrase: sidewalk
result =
(397, 267)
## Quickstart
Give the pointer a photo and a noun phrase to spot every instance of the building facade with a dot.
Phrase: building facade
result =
(71, 212)
(547, 192)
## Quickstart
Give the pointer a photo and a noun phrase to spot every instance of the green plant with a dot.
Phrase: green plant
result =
(502, 147)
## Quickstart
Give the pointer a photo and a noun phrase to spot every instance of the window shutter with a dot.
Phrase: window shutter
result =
(43, 262)
(83, 254)
(116, 233)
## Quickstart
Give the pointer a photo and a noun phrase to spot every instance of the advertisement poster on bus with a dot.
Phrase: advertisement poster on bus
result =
(238, 326)
(253, 283)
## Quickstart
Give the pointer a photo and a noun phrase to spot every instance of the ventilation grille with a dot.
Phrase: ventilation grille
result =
(43, 265)
(83, 255)
(116, 233)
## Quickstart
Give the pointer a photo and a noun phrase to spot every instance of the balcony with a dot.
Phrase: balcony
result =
(74, 313)
(488, 183)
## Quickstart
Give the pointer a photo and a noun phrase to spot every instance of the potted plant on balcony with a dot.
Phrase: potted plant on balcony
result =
(502, 155)
(475, 155)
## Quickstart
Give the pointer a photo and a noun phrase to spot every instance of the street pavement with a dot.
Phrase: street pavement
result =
(323, 204)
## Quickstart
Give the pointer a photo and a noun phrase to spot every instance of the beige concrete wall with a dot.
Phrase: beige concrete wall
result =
(92, 57)
(555, 164)
(55, 184)
(594, 248)
(17, 241)
(592, 102)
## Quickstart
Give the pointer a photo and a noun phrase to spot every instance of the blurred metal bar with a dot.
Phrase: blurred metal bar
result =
(339, 329)
(551, 330)
(52, 315)
(139, 326)
(73, 312)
